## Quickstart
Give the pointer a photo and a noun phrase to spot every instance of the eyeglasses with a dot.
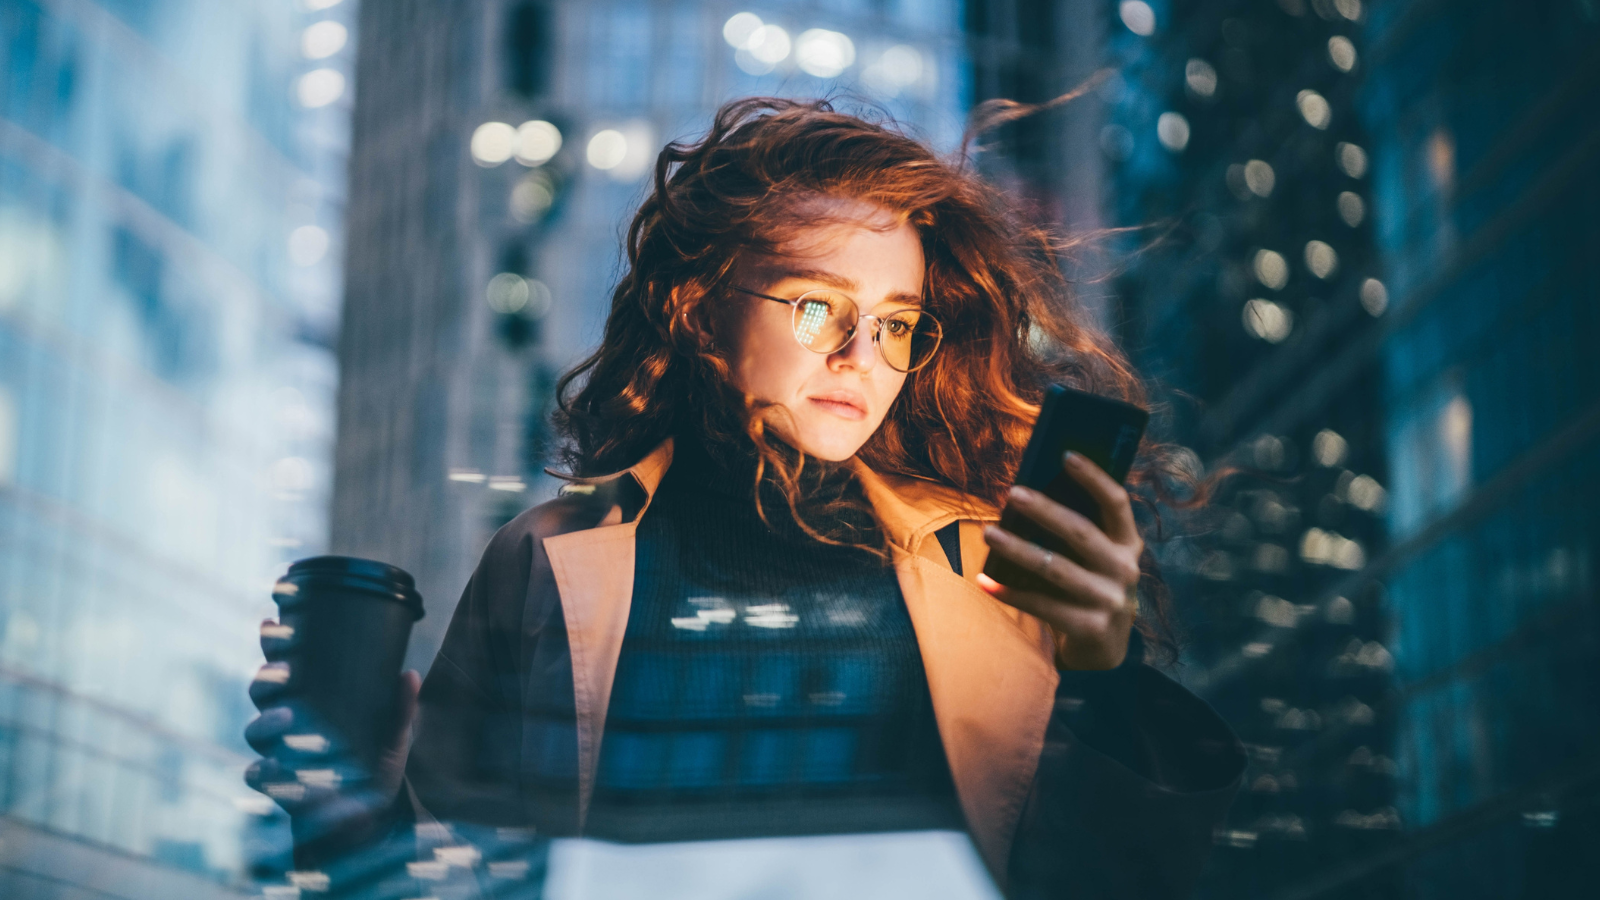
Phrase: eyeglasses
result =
(824, 321)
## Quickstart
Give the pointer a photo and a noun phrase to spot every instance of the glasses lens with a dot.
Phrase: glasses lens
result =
(824, 320)
(909, 338)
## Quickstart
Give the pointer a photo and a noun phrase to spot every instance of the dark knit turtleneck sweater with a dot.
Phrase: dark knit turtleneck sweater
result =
(768, 683)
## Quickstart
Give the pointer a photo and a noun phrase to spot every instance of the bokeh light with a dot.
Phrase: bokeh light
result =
(323, 40)
(824, 53)
(532, 197)
(769, 44)
(493, 143)
(1329, 548)
(1172, 129)
(507, 293)
(540, 299)
(607, 149)
(1321, 259)
(1374, 297)
(1366, 493)
(1259, 178)
(319, 87)
(1200, 77)
(1314, 109)
(624, 151)
(760, 46)
(1342, 53)
(1267, 320)
(1138, 17)
(290, 477)
(308, 244)
(537, 142)
(1352, 160)
(895, 69)
(1271, 269)
(1329, 447)
(739, 28)
(1351, 208)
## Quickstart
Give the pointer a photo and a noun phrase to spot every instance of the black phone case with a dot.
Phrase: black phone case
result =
(1104, 430)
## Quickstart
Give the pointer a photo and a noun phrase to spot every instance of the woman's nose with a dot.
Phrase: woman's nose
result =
(859, 353)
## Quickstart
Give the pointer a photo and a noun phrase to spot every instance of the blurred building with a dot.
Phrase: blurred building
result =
(1033, 52)
(171, 179)
(1364, 274)
(498, 151)
(1485, 173)
(1251, 297)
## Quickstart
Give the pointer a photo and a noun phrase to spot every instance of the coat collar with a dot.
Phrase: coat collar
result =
(909, 509)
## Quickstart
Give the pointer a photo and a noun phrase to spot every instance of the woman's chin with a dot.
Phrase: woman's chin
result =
(830, 447)
(821, 436)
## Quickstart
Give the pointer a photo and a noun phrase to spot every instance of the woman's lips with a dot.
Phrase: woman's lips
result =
(842, 404)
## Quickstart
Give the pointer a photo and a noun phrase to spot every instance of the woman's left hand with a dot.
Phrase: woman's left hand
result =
(1094, 608)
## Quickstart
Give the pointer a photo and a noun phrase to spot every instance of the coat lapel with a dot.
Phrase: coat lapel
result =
(989, 666)
(593, 569)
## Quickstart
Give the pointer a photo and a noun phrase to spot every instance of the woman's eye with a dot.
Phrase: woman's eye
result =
(898, 327)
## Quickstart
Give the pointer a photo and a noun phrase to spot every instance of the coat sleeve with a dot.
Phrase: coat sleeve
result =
(462, 764)
(1136, 775)
(496, 741)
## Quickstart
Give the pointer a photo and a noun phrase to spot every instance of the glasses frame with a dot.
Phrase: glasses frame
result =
(877, 326)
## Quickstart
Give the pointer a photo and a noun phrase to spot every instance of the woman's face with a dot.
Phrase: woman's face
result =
(827, 404)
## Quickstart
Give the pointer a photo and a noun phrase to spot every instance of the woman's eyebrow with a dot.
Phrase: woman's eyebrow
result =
(820, 276)
(842, 283)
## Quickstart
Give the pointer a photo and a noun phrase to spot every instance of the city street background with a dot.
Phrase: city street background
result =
(287, 277)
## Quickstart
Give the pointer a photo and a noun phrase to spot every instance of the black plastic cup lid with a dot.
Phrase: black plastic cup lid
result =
(349, 573)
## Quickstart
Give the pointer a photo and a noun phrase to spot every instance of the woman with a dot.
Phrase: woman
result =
(757, 608)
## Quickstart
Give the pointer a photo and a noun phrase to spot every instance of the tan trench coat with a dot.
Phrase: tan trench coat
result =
(990, 667)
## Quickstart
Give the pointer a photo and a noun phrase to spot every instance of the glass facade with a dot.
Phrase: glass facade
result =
(1485, 170)
(170, 199)
(1362, 235)
(1246, 296)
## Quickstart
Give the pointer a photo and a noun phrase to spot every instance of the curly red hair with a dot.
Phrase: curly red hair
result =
(1011, 321)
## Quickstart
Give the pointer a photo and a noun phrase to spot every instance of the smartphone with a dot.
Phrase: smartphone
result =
(1104, 430)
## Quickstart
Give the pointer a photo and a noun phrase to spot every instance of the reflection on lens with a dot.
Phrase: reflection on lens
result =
(823, 320)
(813, 317)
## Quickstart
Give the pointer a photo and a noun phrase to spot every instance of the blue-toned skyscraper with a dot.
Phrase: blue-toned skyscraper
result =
(171, 189)
(1378, 258)
(1252, 297)
(1486, 177)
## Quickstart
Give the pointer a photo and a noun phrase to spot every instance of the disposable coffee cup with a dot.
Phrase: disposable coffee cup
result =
(345, 623)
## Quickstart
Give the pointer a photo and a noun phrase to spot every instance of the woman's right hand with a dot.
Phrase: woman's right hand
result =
(306, 774)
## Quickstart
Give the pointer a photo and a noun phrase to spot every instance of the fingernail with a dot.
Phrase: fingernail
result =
(1018, 492)
(1071, 458)
(990, 532)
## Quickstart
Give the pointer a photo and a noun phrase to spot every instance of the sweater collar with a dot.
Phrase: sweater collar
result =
(909, 509)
